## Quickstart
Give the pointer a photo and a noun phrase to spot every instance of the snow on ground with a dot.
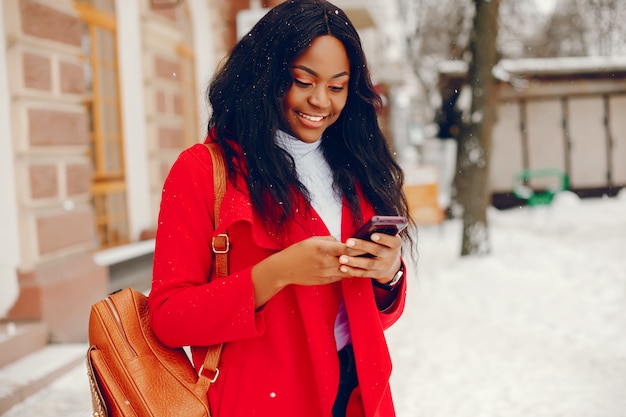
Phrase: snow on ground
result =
(537, 328)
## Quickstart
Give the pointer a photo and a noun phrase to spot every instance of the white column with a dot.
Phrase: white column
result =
(204, 55)
(9, 237)
(133, 115)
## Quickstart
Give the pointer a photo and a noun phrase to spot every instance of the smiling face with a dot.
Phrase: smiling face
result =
(319, 90)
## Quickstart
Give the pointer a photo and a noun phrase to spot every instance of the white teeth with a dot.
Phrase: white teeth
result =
(311, 118)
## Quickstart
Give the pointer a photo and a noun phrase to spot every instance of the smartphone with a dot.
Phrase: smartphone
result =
(391, 225)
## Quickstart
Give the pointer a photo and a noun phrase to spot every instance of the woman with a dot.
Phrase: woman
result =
(301, 314)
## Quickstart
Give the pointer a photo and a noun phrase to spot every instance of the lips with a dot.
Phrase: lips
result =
(310, 117)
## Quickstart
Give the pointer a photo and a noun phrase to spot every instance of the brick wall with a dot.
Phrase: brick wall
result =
(225, 12)
(50, 134)
(51, 124)
(53, 169)
(167, 44)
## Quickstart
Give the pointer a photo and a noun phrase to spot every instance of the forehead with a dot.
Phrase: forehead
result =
(326, 56)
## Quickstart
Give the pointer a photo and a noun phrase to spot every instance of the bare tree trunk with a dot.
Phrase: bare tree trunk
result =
(475, 141)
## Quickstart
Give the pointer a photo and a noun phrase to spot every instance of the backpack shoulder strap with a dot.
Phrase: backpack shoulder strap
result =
(219, 178)
(221, 245)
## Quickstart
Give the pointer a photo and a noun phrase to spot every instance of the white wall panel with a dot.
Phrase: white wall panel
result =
(546, 147)
(587, 133)
(617, 124)
(506, 147)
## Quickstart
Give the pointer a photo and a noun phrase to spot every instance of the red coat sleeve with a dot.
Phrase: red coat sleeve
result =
(185, 308)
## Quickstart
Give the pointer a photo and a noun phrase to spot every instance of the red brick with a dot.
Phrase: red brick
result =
(37, 72)
(229, 11)
(43, 181)
(79, 178)
(47, 23)
(72, 78)
(28, 305)
(166, 69)
(60, 294)
(166, 12)
(64, 230)
(171, 137)
(161, 102)
(57, 128)
(178, 104)
(164, 170)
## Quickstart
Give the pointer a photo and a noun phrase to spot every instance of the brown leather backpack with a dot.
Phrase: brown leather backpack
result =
(130, 371)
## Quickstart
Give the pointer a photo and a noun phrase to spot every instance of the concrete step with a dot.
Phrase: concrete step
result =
(20, 338)
(68, 396)
(27, 375)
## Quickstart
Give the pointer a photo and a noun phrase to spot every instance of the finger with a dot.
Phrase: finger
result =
(375, 267)
(327, 247)
(357, 247)
(329, 238)
(387, 240)
(357, 265)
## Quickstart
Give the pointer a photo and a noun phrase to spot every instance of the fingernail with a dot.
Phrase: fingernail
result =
(350, 243)
(343, 269)
(343, 259)
(375, 237)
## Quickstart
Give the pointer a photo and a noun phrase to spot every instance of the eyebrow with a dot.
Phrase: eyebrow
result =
(310, 71)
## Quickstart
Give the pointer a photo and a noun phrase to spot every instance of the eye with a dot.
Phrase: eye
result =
(336, 88)
(301, 83)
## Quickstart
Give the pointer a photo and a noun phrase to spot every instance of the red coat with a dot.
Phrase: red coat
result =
(280, 360)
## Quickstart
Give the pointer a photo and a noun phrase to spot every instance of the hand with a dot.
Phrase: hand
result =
(313, 261)
(382, 265)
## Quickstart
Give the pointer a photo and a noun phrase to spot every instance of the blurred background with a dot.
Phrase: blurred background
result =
(488, 105)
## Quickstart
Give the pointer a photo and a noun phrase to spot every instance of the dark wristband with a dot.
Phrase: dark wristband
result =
(389, 286)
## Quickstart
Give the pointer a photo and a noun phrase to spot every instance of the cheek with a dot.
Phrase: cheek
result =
(340, 104)
(289, 102)
(286, 106)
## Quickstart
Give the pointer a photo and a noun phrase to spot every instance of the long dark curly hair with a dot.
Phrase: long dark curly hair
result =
(246, 97)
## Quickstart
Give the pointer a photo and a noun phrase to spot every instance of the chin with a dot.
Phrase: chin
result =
(309, 137)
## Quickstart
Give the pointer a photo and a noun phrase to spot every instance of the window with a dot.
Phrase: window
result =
(103, 104)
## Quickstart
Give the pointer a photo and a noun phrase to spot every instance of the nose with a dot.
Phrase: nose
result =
(319, 97)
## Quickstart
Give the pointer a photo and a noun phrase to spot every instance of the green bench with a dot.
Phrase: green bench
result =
(523, 191)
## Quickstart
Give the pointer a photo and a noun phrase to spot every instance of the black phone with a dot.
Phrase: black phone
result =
(391, 225)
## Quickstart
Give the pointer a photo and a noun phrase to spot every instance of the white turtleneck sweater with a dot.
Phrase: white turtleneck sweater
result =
(315, 174)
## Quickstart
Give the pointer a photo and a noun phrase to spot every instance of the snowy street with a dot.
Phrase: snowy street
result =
(537, 329)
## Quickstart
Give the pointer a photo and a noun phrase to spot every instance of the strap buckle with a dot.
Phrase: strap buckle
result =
(211, 375)
(220, 243)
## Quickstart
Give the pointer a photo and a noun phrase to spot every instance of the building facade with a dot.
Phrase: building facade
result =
(97, 99)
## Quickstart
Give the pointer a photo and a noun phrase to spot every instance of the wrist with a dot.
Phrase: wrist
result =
(392, 283)
(267, 280)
